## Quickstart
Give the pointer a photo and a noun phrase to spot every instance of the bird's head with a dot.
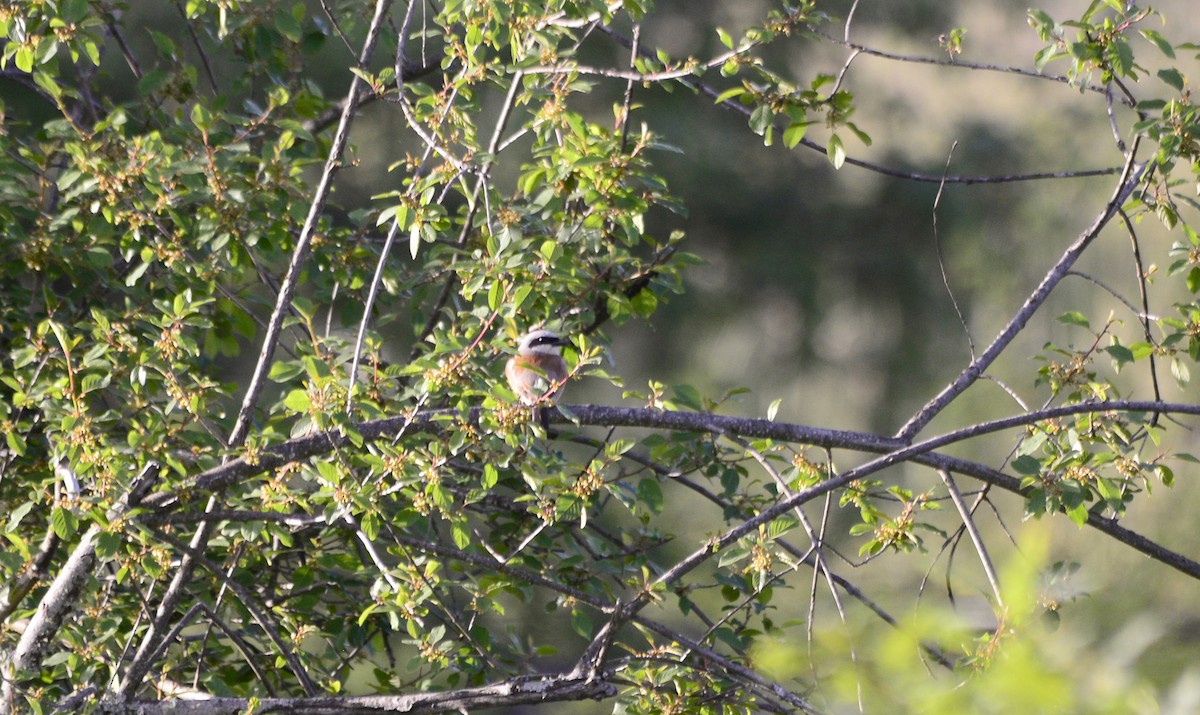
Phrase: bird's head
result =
(541, 342)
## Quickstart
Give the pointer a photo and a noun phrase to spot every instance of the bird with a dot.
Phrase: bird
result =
(537, 372)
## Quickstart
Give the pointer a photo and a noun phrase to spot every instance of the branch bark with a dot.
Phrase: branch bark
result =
(893, 450)
(517, 691)
(60, 599)
(1131, 177)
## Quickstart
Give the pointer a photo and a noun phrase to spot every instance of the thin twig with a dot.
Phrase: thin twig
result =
(821, 563)
(33, 572)
(1131, 177)
(208, 70)
(627, 102)
(61, 598)
(1145, 312)
(376, 281)
(256, 611)
(968, 523)
(300, 253)
(958, 64)
(941, 260)
(175, 591)
(735, 106)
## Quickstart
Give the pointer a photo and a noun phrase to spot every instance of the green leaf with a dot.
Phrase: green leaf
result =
(414, 238)
(47, 83)
(567, 413)
(1159, 41)
(64, 522)
(1193, 279)
(725, 37)
(1026, 464)
(201, 117)
(1120, 354)
(1166, 474)
(649, 492)
(166, 47)
(519, 296)
(460, 534)
(581, 624)
(761, 118)
(297, 401)
(14, 519)
(1122, 58)
(370, 525)
(362, 617)
(1180, 371)
(1039, 17)
(16, 442)
(490, 476)
(24, 58)
(862, 136)
(288, 26)
(1172, 77)
(1074, 317)
(794, 134)
(495, 293)
(284, 371)
(731, 556)
(835, 151)
(1082, 51)
(107, 544)
(729, 94)
(644, 303)
(688, 396)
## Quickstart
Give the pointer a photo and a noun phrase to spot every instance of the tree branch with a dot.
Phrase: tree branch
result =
(1131, 177)
(300, 253)
(968, 522)
(33, 572)
(517, 691)
(60, 599)
(893, 450)
(141, 663)
(734, 106)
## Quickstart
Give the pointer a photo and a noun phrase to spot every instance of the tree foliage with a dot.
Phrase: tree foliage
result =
(260, 452)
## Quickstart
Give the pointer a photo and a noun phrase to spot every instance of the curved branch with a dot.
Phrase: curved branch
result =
(293, 450)
(1131, 177)
(893, 450)
(734, 106)
(977, 66)
(35, 570)
(60, 599)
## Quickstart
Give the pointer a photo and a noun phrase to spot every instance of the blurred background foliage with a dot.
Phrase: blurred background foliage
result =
(824, 288)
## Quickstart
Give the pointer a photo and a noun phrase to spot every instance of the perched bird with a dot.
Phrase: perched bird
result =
(536, 373)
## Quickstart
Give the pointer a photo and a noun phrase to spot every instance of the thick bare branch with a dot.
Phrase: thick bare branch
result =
(517, 691)
(34, 571)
